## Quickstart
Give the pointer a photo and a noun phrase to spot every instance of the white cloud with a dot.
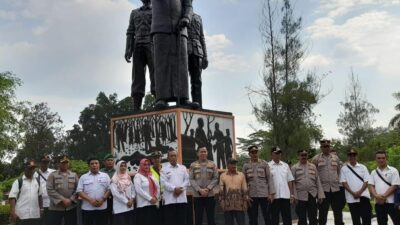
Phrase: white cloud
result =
(316, 61)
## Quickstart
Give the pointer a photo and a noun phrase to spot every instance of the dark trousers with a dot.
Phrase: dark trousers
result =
(28, 222)
(175, 214)
(147, 215)
(281, 207)
(252, 211)
(333, 199)
(307, 209)
(207, 204)
(94, 217)
(230, 216)
(382, 212)
(361, 211)
(125, 218)
(195, 63)
(110, 209)
(43, 219)
(142, 56)
(56, 217)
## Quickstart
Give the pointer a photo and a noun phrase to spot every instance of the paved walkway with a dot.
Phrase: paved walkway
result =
(347, 219)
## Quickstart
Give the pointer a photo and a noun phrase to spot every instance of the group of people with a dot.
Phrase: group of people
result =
(157, 193)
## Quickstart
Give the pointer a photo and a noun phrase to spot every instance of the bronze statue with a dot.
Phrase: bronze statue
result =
(197, 52)
(139, 46)
(169, 29)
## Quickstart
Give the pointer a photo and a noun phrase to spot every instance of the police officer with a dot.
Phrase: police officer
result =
(140, 47)
(109, 170)
(308, 189)
(197, 53)
(61, 188)
(261, 186)
(328, 166)
(203, 178)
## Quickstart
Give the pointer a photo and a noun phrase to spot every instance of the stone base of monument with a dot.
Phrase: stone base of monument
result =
(137, 135)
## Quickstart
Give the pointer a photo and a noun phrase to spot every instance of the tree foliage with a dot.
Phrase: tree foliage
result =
(356, 119)
(395, 121)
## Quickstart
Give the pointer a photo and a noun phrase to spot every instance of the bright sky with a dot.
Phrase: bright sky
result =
(67, 51)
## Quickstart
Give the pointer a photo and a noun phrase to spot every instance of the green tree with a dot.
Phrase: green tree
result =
(356, 119)
(395, 121)
(149, 101)
(10, 111)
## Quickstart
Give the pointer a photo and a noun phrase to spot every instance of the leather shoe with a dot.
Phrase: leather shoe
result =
(193, 105)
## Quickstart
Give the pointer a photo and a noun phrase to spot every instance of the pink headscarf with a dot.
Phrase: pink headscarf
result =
(147, 173)
(122, 180)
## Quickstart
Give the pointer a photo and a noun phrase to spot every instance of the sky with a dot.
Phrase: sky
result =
(67, 51)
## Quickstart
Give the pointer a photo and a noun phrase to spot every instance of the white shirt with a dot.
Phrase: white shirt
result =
(27, 206)
(120, 199)
(43, 181)
(281, 174)
(142, 190)
(355, 184)
(391, 175)
(172, 177)
(95, 186)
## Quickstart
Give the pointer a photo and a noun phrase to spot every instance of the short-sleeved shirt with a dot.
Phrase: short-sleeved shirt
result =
(95, 186)
(391, 175)
(354, 183)
(329, 170)
(27, 204)
(281, 174)
(259, 179)
(307, 181)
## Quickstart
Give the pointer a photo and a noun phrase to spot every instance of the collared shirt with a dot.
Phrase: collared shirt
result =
(307, 181)
(329, 170)
(172, 177)
(233, 191)
(203, 175)
(60, 186)
(120, 199)
(142, 190)
(95, 186)
(110, 172)
(259, 179)
(354, 183)
(282, 175)
(43, 180)
(27, 205)
(391, 175)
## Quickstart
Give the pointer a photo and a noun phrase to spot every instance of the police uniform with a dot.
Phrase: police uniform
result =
(140, 45)
(308, 189)
(261, 186)
(328, 167)
(197, 53)
(204, 175)
(60, 186)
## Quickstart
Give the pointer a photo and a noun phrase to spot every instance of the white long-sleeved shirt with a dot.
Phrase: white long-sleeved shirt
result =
(142, 190)
(172, 177)
(120, 199)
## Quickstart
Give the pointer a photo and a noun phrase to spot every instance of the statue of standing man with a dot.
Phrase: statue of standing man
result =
(169, 29)
(139, 46)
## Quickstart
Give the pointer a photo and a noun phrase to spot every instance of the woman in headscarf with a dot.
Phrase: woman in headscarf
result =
(147, 195)
(123, 195)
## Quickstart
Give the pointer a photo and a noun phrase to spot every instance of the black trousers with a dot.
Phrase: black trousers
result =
(382, 212)
(335, 200)
(125, 218)
(110, 209)
(28, 222)
(147, 215)
(175, 214)
(252, 211)
(142, 56)
(56, 217)
(307, 209)
(281, 207)
(207, 204)
(361, 211)
(230, 216)
(94, 217)
(195, 63)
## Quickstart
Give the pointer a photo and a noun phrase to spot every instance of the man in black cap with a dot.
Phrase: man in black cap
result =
(354, 177)
(284, 190)
(26, 197)
(328, 166)
(261, 186)
(109, 170)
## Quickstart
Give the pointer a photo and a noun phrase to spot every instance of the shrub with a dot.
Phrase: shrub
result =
(4, 214)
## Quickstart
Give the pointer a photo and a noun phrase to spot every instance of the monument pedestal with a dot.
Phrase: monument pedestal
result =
(137, 135)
